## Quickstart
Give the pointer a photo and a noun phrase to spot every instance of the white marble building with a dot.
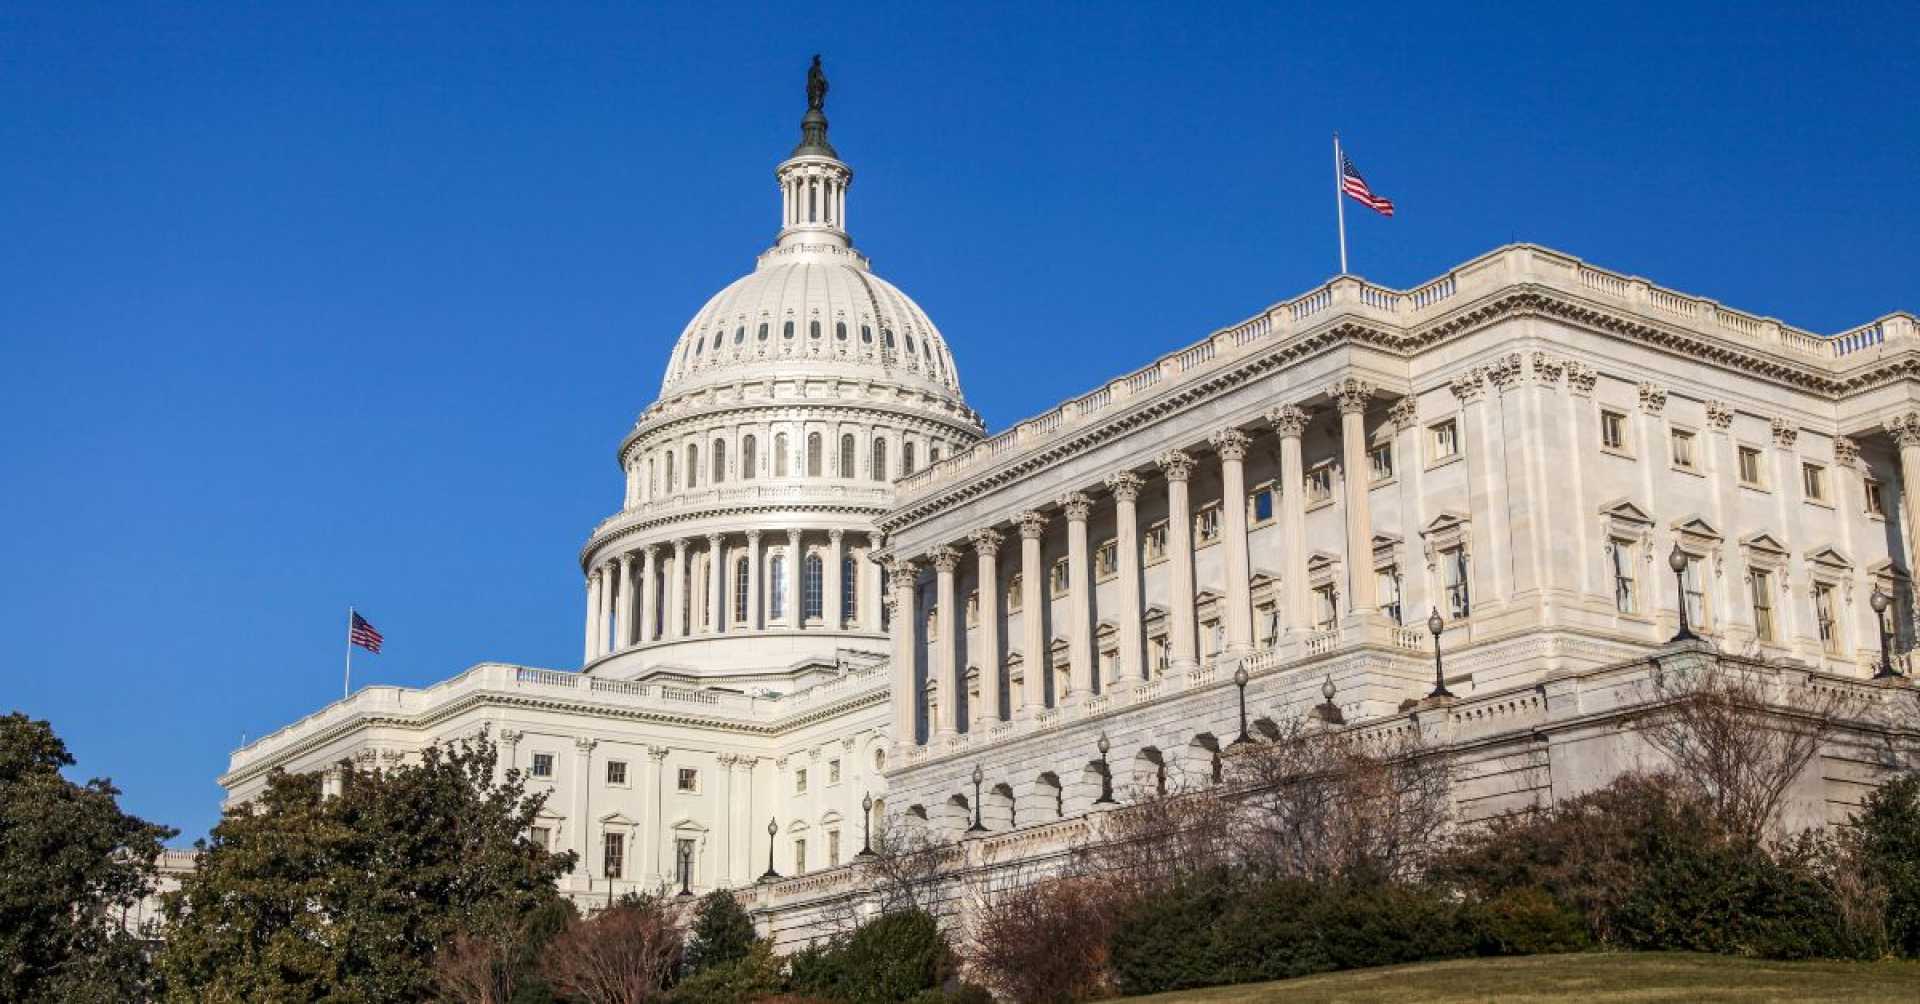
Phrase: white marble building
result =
(824, 583)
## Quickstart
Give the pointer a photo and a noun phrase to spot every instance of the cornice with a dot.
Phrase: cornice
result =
(603, 537)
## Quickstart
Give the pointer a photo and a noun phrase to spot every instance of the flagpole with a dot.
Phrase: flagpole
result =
(346, 682)
(1339, 204)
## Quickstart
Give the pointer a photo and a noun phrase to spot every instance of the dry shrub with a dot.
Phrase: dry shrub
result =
(476, 970)
(623, 955)
(1046, 943)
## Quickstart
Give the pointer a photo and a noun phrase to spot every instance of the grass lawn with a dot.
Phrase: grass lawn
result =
(1645, 976)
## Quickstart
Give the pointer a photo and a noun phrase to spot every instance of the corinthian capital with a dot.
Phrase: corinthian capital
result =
(1176, 464)
(1784, 433)
(1846, 453)
(1719, 415)
(1033, 524)
(1404, 412)
(901, 570)
(1231, 444)
(1351, 395)
(987, 540)
(1905, 429)
(1470, 386)
(1288, 420)
(945, 559)
(1653, 398)
(1076, 506)
(1125, 485)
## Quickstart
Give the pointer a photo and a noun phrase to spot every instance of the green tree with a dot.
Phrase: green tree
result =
(722, 932)
(70, 863)
(1886, 837)
(300, 897)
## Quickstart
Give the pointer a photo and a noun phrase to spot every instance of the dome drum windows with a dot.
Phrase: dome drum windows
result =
(813, 329)
(839, 331)
(879, 459)
(813, 455)
(749, 456)
(786, 330)
(780, 456)
(719, 462)
(846, 456)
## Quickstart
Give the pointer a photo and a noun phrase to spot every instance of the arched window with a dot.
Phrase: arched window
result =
(866, 333)
(886, 337)
(653, 484)
(780, 455)
(810, 587)
(740, 578)
(933, 454)
(906, 459)
(763, 331)
(813, 455)
(786, 330)
(839, 331)
(879, 463)
(670, 481)
(719, 335)
(693, 466)
(777, 587)
(813, 329)
(739, 334)
(910, 348)
(846, 456)
(719, 461)
(749, 456)
(699, 346)
(849, 588)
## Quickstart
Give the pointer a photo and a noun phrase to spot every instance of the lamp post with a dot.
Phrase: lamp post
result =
(773, 828)
(1106, 772)
(685, 853)
(1880, 601)
(978, 777)
(1436, 625)
(866, 819)
(1240, 680)
(1677, 560)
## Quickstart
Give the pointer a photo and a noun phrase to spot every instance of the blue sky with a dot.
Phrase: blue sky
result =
(303, 307)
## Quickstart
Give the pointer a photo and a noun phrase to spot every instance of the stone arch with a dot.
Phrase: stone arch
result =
(1045, 799)
(1264, 728)
(998, 809)
(1149, 774)
(1203, 762)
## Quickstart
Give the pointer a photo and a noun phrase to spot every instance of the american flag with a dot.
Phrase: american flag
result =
(364, 635)
(1356, 186)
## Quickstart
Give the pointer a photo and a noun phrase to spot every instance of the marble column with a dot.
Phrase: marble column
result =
(830, 581)
(1033, 625)
(677, 592)
(583, 831)
(1905, 430)
(623, 623)
(716, 584)
(906, 694)
(1125, 486)
(1290, 423)
(986, 547)
(1352, 397)
(741, 810)
(720, 853)
(1079, 597)
(1231, 445)
(1183, 634)
(652, 794)
(945, 666)
(649, 586)
(796, 604)
(593, 612)
(602, 627)
(753, 580)
(870, 599)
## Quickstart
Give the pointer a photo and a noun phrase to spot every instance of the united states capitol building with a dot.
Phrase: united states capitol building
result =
(825, 582)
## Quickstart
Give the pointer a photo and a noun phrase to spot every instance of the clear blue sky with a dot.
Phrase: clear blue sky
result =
(308, 307)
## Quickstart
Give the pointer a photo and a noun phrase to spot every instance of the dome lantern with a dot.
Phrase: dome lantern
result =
(813, 180)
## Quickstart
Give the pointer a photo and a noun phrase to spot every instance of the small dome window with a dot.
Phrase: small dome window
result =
(719, 335)
(786, 331)
(910, 348)
(739, 334)
(763, 331)
(866, 333)
(813, 329)
(839, 331)
(886, 336)
(699, 346)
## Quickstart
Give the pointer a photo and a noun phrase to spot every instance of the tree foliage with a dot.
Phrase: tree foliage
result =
(722, 932)
(626, 954)
(70, 863)
(300, 897)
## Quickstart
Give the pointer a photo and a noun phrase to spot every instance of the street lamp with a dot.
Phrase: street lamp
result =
(978, 777)
(773, 828)
(1880, 601)
(685, 853)
(1677, 560)
(1240, 680)
(1106, 772)
(1436, 625)
(866, 819)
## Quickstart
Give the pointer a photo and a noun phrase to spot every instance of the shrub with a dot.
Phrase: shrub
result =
(1526, 921)
(1886, 843)
(754, 976)
(888, 959)
(1046, 943)
(722, 932)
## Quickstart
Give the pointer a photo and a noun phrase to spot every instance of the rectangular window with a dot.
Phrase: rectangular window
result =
(1876, 503)
(1453, 565)
(1059, 578)
(613, 852)
(1683, 449)
(1443, 441)
(1695, 583)
(1750, 467)
(1206, 524)
(833, 772)
(1380, 461)
(1763, 605)
(543, 765)
(1269, 617)
(616, 772)
(1823, 616)
(1613, 430)
(1327, 604)
(689, 779)
(1320, 483)
(1013, 594)
(1155, 542)
(799, 856)
(833, 848)
(1157, 652)
(1260, 504)
(800, 781)
(1386, 588)
(541, 837)
(1624, 598)
(1813, 478)
(683, 860)
(1106, 560)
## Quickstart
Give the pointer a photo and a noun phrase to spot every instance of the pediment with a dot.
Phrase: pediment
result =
(617, 819)
(1448, 521)
(688, 824)
(1765, 543)
(1381, 540)
(1830, 556)
(1626, 511)
(1320, 561)
(1696, 526)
